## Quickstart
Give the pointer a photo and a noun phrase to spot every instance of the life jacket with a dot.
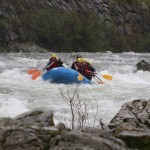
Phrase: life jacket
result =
(53, 63)
(86, 70)
(78, 66)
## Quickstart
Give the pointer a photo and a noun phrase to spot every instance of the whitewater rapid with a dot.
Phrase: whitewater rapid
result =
(19, 93)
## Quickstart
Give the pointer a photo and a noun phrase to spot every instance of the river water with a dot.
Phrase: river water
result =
(19, 93)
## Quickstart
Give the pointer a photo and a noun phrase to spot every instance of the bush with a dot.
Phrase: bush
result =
(143, 44)
(134, 2)
(74, 31)
(4, 24)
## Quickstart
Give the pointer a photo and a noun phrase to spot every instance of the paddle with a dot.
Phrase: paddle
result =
(36, 75)
(100, 81)
(106, 76)
(39, 72)
(32, 71)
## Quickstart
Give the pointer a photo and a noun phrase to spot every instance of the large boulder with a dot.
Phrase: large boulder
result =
(132, 124)
(38, 117)
(87, 139)
(29, 131)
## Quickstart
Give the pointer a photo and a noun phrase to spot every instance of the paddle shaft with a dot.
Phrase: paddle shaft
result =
(98, 78)
(100, 81)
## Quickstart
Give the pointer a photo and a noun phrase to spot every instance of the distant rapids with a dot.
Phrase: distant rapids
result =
(19, 93)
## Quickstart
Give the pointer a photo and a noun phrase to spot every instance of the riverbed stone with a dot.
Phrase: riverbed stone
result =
(132, 124)
(38, 117)
(129, 129)
(88, 140)
(143, 65)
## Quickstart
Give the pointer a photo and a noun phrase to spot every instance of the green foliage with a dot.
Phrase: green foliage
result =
(9, 1)
(134, 2)
(143, 42)
(4, 24)
(72, 31)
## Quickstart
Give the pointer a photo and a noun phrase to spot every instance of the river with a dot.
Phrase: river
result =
(19, 93)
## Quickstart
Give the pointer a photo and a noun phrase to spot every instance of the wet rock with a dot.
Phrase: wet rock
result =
(36, 130)
(88, 140)
(132, 124)
(39, 117)
(8, 122)
(26, 47)
(61, 126)
(20, 139)
(143, 65)
(16, 136)
(29, 131)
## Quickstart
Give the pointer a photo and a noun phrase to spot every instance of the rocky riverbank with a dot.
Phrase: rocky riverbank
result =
(129, 129)
(124, 25)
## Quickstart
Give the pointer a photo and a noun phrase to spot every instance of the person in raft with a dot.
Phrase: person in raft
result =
(87, 69)
(77, 61)
(84, 67)
(54, 62)
(77, 65)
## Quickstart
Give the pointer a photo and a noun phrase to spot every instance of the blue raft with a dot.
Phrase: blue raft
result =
(65, 76)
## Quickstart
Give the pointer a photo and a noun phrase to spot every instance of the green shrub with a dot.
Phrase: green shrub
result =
(77, 31)
(74, 31)
(134, 2)
(143, 43)
(4, 24)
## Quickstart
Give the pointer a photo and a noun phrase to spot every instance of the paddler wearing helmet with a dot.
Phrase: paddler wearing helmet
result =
(87, 69)
(54, 62)
(77, 65)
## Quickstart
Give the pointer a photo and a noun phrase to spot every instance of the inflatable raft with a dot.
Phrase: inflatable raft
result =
(65, 76)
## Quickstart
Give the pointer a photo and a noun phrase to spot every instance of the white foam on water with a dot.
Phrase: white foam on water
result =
(19, 93)
(11, 106)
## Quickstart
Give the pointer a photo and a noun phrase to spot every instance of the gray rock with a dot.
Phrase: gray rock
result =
(143, 65)
(132, 124)
(38, 117)
(87, 141)
(21, 139)
(61, 126)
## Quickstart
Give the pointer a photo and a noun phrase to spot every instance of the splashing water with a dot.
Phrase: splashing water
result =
(19, 93)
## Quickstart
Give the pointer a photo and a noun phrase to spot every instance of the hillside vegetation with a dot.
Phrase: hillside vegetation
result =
(119, 26)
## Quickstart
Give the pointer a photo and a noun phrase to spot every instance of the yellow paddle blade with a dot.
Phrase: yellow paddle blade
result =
(80, 77)
(36, 75)
(32, 71)
(106, 76)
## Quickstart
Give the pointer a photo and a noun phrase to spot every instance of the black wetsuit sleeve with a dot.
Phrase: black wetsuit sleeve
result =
(60, 63)
(73, 66)
(91, 68)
